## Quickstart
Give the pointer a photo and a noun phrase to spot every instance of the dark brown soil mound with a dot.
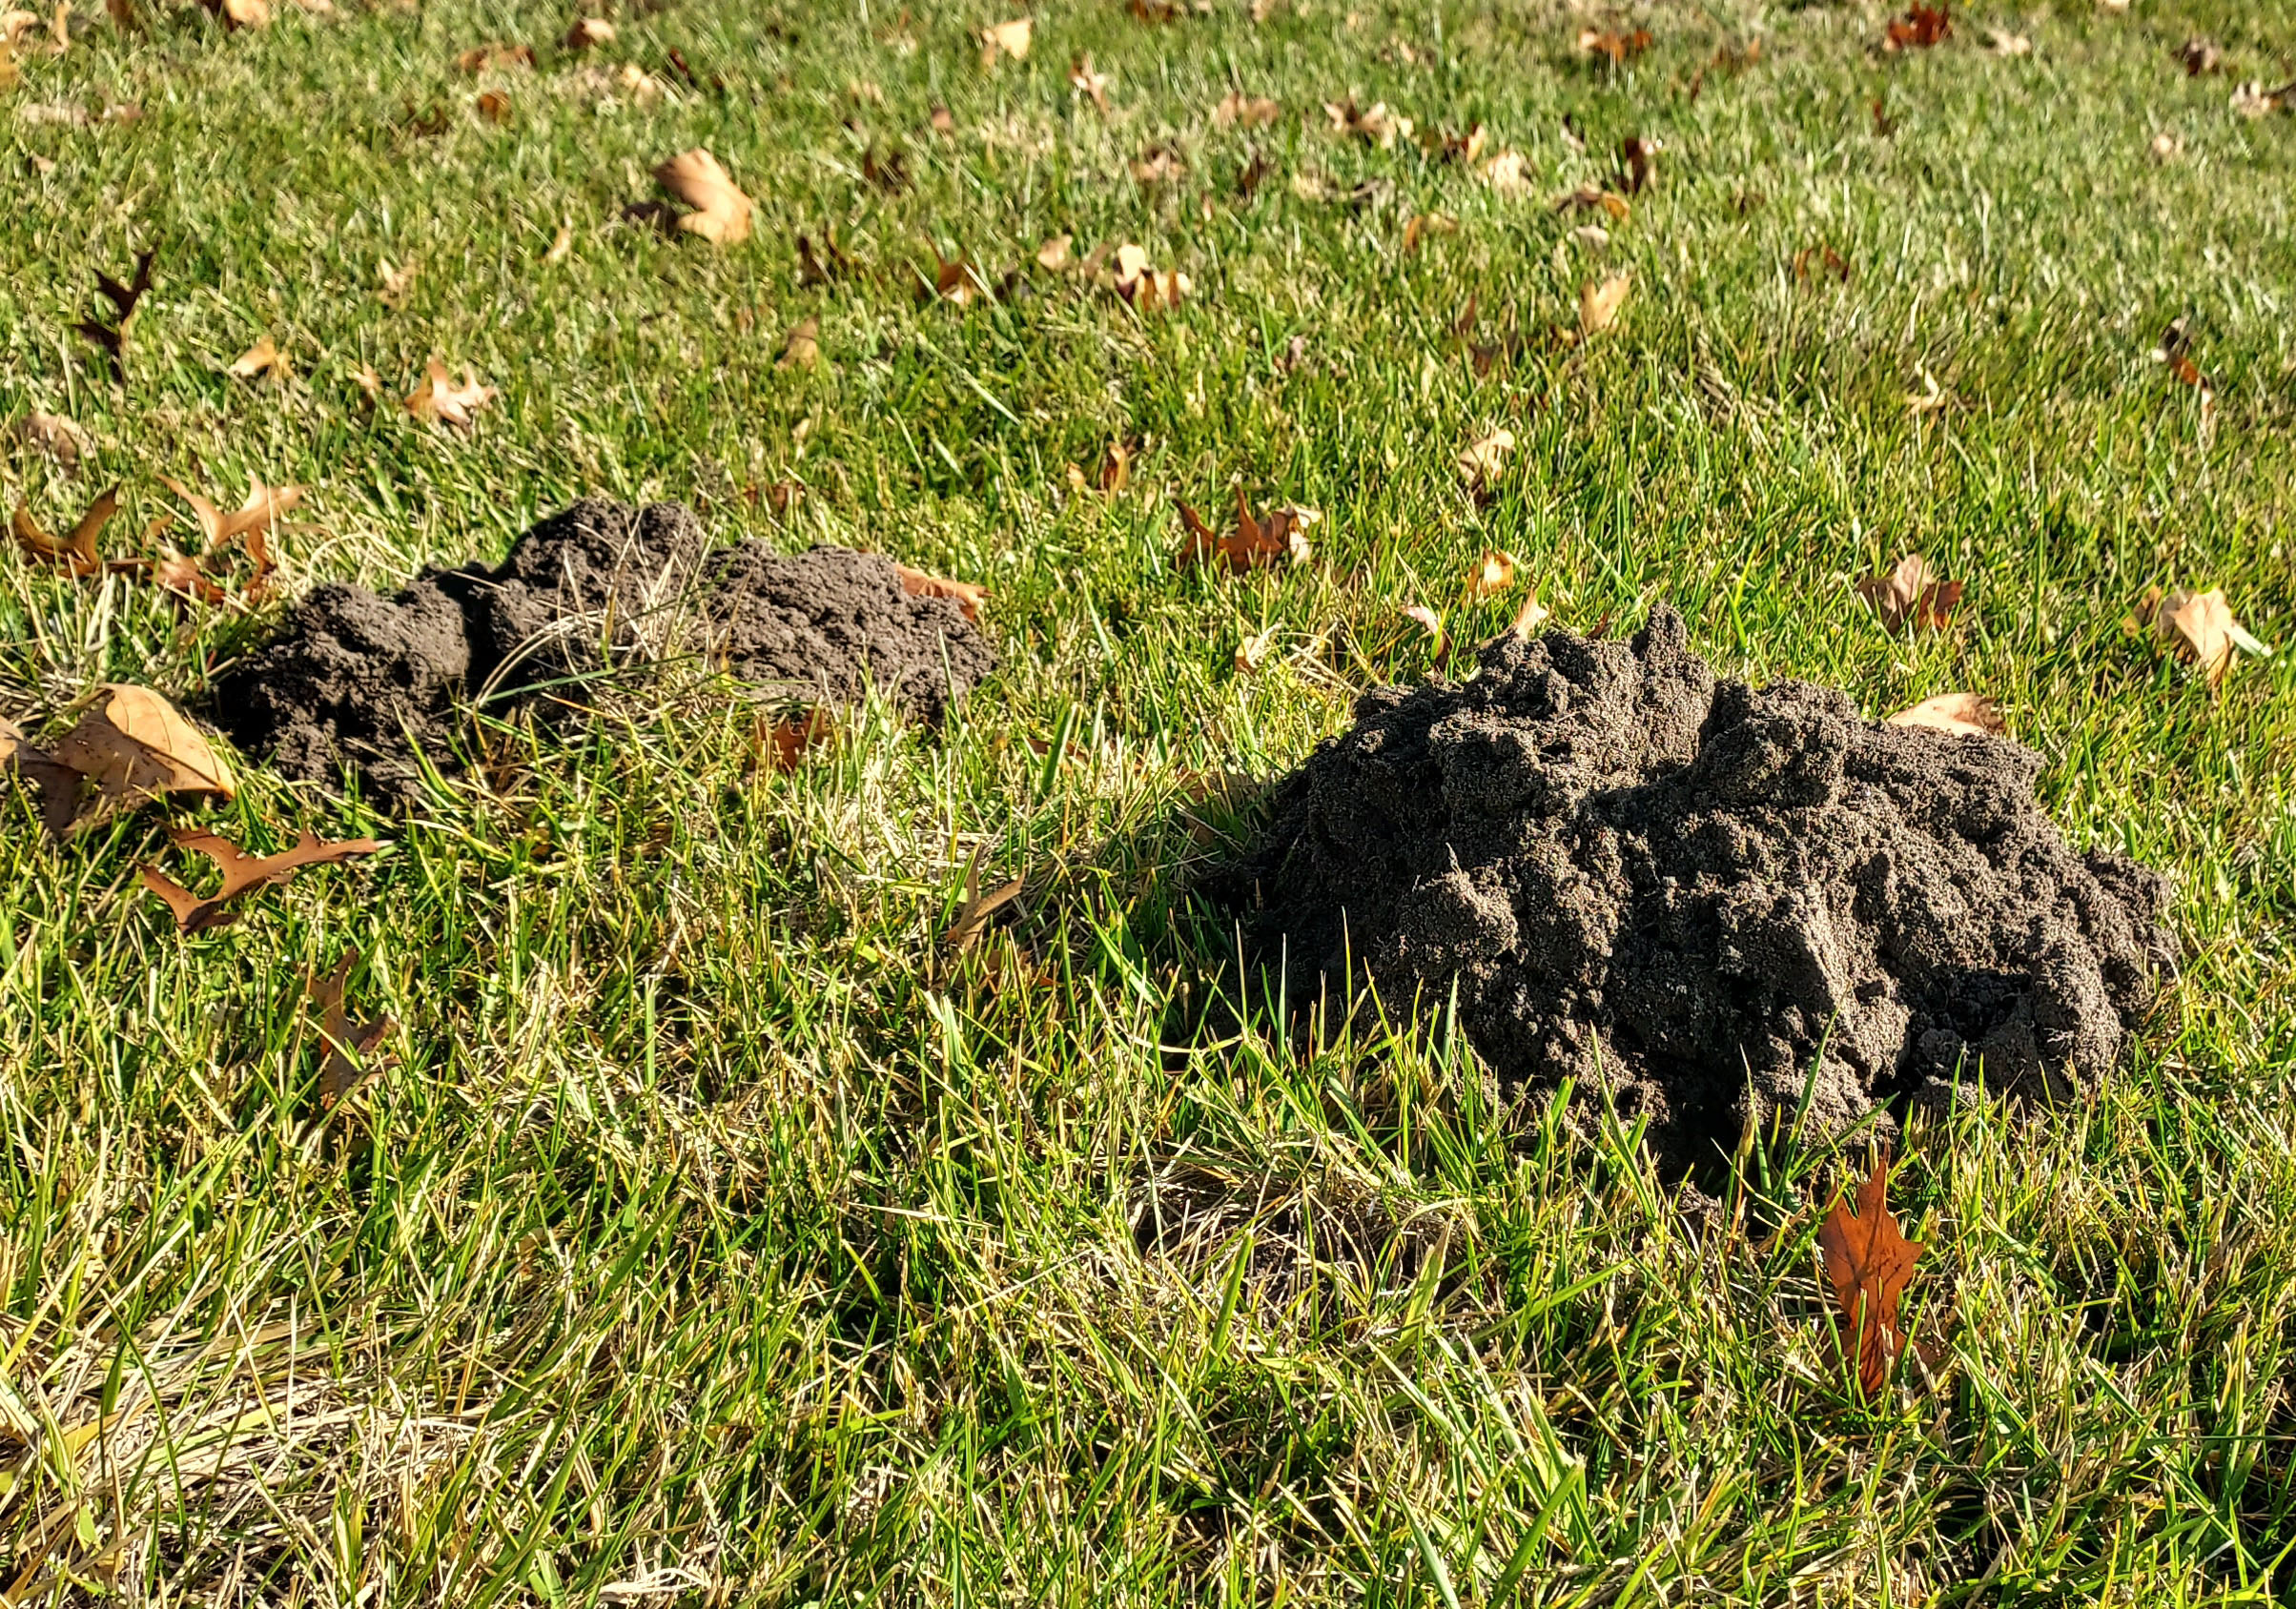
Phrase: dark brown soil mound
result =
(355, 681)
(1702, 898)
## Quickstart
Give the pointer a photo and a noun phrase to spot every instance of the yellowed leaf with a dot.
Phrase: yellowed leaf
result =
(262, 358)
(2199, 627)
(1964, 714)
(1483, 460)
(1494, 573)
(1006, 38)
(721, 213)
(1599, 304)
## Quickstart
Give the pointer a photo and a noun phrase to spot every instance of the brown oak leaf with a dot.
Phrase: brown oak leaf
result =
(1868, 1261)
(243, 873)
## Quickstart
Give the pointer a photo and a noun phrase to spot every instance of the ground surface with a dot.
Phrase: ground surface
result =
(714, 1233)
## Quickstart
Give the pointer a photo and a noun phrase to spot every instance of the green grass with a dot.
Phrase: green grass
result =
(715, 1236)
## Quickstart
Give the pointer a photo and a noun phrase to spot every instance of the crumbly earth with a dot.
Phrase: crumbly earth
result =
(1706, 901)
(376, 685)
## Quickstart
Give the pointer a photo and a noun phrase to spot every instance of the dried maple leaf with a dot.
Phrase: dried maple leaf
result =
(1006, 39)
(1963, 714)
(243, 873)
(1599, 304)
(918, 584)
(113, 338)
(1911, 595)
(1485, 459)
(348, 1044)
(1869, 1262)
(75, 551)
(721, 213)
(438, 400)
(1920, 27)
(134, 745)
(974, 915)
(1254, 543)
(1239, 110)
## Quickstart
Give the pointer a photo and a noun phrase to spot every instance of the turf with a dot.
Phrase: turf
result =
(712, 1233)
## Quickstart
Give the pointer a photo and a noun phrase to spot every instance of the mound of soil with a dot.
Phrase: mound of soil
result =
(357, 681)
(1702, 898)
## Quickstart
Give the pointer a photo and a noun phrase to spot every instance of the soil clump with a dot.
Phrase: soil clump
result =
(360, 681)
(1707, 902)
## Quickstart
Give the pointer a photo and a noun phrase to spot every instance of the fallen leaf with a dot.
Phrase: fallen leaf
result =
(1529, 618)
(1239, 110)
(1158, 164)
(1920, 27)
(865, 91)
(1911, 595)
(1145, 287)
(1821, 255)
(348, 1044)
(974, 915)
(396, 282)
(495, 58)
(494, 106)
(243, 873)
(1506, 176)
(2006, 44)
(1494, 573)
(1430, 622)
(438, 400)
(1587, 199)
(249, 524)
(1281, 537)
(1485, 459)
(56, 786)
(1421, 225)
(1611, 43)
(954, 280)
(1379, 126)
(113, 338)
(134, 745)
(2198, 628)
(261, 358)
(1599, 304)
(561, 244)
(943, 122)
(918, 584)
(75, 551)
(1006, 39)
(784, 743)
(1636, 160)
(829, 266)
(2253, 100)
(1088, 83)
(801, 347)
(1052, 255)
(2199, 55)
(588, 32)
(242, 13)
(721, 213)
(1964, 714)
(10, 77)
(1869, 1262)
(54, 434)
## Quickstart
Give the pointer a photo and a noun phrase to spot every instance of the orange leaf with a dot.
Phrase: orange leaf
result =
(1256, 542)
(1869, 1262)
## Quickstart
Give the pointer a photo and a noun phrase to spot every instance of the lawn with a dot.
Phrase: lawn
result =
(709, 1230)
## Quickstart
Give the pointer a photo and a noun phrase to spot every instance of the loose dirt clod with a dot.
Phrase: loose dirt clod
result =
(1711, 903)
(356, 679)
